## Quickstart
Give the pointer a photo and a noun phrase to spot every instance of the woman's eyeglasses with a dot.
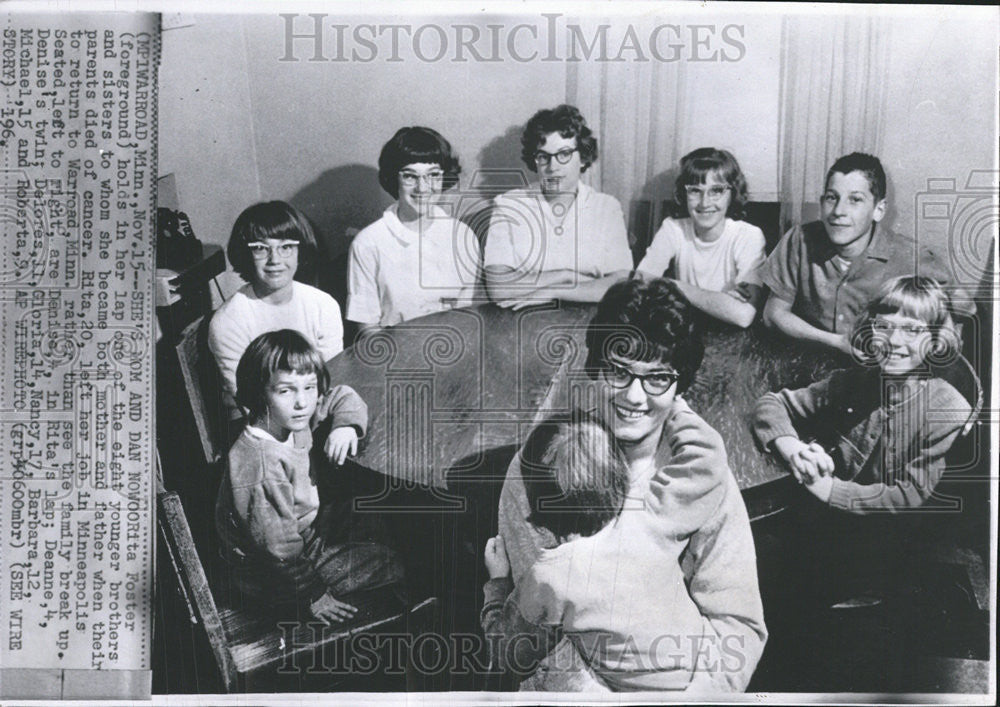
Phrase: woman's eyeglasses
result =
(653, 383)
(714, 192)
(260, 251)
(542, 158)
(410, 179)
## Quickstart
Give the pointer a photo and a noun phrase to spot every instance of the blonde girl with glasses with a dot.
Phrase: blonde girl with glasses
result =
(874, 437)
(705, 247)
(869, 444)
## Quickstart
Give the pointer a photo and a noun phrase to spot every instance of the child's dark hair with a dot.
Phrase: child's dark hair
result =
(568, 122)
(649, 321)
(868, 165)
(697, 165)
(574, 475)
(413, 145)
(271, 219)
(913, 296)
(283, 350)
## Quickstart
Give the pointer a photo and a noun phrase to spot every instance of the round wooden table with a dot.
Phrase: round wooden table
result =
(452, 395)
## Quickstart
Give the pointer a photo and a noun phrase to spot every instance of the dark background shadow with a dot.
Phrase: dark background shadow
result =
(339, 203)
(500, 170)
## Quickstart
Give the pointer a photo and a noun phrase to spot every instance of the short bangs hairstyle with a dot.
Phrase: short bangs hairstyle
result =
(568, 122)
(575, 477)
(282, 350)
(695, 168)
(648, 321)
(411, 146)
(868, 165)
(917, 297)
(276, 220)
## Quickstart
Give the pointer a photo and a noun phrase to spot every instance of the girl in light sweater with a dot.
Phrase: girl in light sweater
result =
(282, 544)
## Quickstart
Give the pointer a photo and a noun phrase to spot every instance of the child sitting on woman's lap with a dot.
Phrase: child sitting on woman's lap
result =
(609, 585)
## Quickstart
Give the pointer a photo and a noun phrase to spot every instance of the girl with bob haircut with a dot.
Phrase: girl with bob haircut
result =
(643, 351)
(706, 247)
(864, 440)
(283, 545)
(416, 259)
(646, 321)
(415, 145)
(271, 244)
(558, 239)
(609, 582)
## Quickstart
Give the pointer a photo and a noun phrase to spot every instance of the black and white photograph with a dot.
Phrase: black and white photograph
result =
(498, 353)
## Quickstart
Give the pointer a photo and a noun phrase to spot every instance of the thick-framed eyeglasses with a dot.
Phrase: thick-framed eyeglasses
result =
(260, 251)
(542, 158)
(714, 192)
(410, 179)
(653, 383)
(909, 331)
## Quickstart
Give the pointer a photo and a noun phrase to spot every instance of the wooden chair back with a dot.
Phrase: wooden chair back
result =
(248, 640)
(204, 389)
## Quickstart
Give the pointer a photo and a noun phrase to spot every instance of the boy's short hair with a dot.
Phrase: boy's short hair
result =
(271, 219)
(281, 350)
(649, 321)
(574, 475)
(869, 165)
(412, 145)
(697, 165)
(913, 296)
(568, 122)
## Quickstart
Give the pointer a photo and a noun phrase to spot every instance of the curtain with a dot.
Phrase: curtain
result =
(834, 76)
(636, 110)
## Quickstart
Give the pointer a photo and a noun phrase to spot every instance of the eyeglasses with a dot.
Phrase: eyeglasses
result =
(909, 331)
(542, 158)
(410, 179)
(260, 251)
(653, 383)
(714, 192)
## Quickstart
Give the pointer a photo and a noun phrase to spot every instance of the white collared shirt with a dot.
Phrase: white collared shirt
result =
(395, 274)
(528, 236)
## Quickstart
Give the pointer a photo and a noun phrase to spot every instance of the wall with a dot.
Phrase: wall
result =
(205, 129)
(941, 118)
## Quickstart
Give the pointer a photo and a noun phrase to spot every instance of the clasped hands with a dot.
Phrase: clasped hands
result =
(810, 465)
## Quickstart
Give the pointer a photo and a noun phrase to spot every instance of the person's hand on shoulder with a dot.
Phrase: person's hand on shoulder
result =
(495, 557)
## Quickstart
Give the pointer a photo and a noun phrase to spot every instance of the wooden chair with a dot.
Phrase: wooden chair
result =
(251, 642)
(204, 390)
(957, 535)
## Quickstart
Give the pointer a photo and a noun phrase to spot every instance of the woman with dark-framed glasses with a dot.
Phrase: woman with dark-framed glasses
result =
(643, 350)
(270, 244)
(416, 259)
(559, 239)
